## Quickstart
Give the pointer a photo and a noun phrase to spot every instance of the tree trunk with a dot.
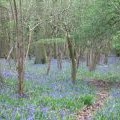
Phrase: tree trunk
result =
(59, 58)
(49, 61)
(72, 57)
(93, 58)
(21, 59)
(66, 52)
(20, 49)
(88, 58)
(105, 59)
(1, 77)
(40, 54)
(79, 54)
(55, 50)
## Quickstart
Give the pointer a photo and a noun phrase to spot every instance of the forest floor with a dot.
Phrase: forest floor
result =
(54, 97)
(102, 96)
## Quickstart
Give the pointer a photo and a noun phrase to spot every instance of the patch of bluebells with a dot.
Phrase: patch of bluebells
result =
(112, 66)
(8, 74)
(116, 93)
(59, 86)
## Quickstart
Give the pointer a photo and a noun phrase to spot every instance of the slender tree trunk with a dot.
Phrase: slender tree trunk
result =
(1, 77)
(55, 50)
(40, 54)
(78, 57)
(28, 47)
(88, 58)
(93, 60)
(49, 61)
(98, 58)
(106, 59)
(20, 49)
(72, 57)
(59, 58)
(21, 59)
(66, 52)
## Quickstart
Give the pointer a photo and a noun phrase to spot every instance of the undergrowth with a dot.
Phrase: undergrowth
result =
(39, 104)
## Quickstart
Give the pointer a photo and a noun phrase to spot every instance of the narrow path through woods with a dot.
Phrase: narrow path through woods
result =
(101, 97)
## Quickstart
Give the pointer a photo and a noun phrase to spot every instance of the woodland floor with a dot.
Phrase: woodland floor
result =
(102, 95)
(54, 97)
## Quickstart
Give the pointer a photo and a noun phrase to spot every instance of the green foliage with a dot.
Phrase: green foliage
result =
(88, 100)
(116, 43)
(18, 116)
(3, 2)
(97, 22)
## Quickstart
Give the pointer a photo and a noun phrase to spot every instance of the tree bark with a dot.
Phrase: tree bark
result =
(40, 54)
(72, 57)
(59, 58)
(55, 50)
(93, 60)
(20, 49)
(88, 58)
(1, 77)
(49, 61)
(105, 59)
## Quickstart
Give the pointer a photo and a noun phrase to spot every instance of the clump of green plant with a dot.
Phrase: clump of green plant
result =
(88, 100)
(116, 43)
